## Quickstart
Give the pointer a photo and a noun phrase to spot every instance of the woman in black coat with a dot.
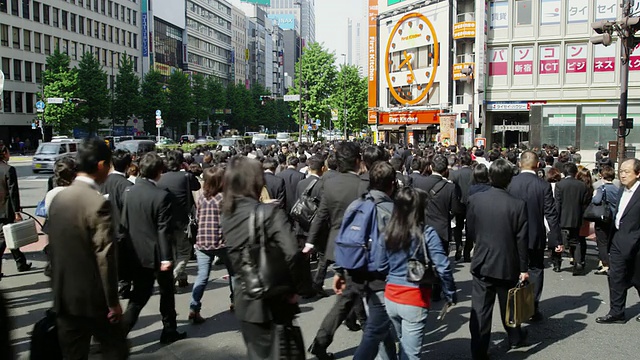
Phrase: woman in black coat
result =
(243, 183)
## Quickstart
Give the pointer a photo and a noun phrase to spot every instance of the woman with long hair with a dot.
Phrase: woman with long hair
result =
(243, 182)
(408, 303)
(210, 242)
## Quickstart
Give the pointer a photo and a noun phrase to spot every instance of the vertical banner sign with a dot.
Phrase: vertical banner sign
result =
(523, 60)
(576, 58)
(606, 9)
(549, 59)
(604, 58)
(578, 11)
(145, 29)
(372, 59)
(498, 62)
(634, 59)
(550, 12)
(448, 128)
(499, 15)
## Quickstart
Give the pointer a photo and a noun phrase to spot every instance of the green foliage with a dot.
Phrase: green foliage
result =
(242, 107)
(318, 72)
(60, 82)
(92, 87)
(201, 106)
(351, 93)
(127, 92)
(153, 97)
(179, 101)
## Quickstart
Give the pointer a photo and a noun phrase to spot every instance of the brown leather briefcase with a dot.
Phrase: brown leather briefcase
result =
(520, 304)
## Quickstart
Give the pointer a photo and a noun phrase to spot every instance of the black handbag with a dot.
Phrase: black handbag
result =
(601, 212)
(254, 277)
(288, 343)
(420, 269)
(192, 225)
(305, 208)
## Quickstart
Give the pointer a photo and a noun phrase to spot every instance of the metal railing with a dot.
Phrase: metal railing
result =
(465, 58)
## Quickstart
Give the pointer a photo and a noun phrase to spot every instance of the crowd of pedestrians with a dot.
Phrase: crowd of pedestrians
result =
(138, 221)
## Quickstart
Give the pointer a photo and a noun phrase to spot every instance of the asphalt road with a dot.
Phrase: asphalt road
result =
(570, 304)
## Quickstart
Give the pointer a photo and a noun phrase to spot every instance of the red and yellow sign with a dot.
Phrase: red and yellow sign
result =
(409, 117)
(464, 30)
(372, 59)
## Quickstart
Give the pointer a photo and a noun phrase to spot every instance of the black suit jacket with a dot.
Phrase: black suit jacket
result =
(176, 183)
(114, 187)
(418, 181)
(572, 198)
(275, 188)
(148, 223)
(443, 207)
(497, 224)
(540, 205)
(291, 179)
(462, 178)
(626, 239)
(9, 193)
(334, 202)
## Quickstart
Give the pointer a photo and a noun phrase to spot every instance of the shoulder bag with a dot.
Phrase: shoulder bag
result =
(305, 208)
(254, 276)
(600, 212)
(420, 270)
(192, 225)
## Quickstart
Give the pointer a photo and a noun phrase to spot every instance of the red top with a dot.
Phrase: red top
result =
(407, 295)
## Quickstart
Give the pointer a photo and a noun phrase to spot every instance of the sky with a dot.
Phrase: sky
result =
(331, 25)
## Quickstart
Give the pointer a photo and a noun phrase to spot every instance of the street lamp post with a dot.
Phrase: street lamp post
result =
(299, 3)
(344, 85)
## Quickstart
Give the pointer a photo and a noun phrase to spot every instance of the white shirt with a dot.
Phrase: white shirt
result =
(88, 180)
(528, 171)
(624, 201)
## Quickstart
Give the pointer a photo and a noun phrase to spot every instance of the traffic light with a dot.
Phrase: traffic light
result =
(464, 118)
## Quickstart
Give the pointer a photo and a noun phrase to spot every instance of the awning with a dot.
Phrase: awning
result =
(421, 127)
(391, 127)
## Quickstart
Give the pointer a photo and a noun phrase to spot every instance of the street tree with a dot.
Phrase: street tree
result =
(127, 92)
(350, 94)
(93, 89)
(60, 81)
(242, 107)
(217, 99)
(154, 97)
(179, 101)
(316, 67)
(201, 106)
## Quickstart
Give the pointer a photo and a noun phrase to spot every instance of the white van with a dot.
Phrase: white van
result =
(283, 137)
(47, 154)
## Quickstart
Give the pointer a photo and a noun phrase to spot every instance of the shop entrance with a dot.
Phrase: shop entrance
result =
(510, 128)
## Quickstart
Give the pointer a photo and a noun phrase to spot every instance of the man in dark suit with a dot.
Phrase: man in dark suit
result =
(181, 185)
(623, 254)
(113, 189)
(416, 179)
(275, 185)
(462, 179)
(370, 156)
(324, 229)
(291, 178)
(397, 165)
(572, 198)
(148, 224)
(537, 194)
(497, 224)
(83, 260)
(10, 206)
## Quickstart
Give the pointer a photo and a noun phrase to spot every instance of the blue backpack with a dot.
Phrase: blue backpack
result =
(358, 232)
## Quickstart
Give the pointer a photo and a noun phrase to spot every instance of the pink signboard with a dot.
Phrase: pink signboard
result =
(497, 62)
(523, 61)
(576, 59)
(549, 59)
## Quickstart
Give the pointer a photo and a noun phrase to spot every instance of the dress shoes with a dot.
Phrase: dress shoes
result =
(537, 317)
(25, 267)
(610, 319)
(320, 352)
(352, 325)
(458, 255)
(578, 270)
(521, 342)
(320, 291)
(171, 336)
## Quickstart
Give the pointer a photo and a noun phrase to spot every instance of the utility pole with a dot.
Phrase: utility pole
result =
(625, 28)
(344, 86)
(299, 3)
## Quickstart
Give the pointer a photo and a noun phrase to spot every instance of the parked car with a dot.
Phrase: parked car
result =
(283, 137)
(232, 142)
(137, 147)
(256, 137)
(266, 143)
(187, 138)
(165, 142)
(47, 154)
(205, 140)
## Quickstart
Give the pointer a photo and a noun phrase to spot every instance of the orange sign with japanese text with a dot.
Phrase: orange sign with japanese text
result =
(372, 59)
(409, 118)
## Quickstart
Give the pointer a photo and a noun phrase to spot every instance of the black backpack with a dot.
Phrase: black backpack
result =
(305, 208)
(44, 339)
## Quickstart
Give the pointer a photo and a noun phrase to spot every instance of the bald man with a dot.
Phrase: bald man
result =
(537, 194)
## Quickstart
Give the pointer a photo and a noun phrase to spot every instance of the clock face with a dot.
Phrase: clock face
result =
(411, 59)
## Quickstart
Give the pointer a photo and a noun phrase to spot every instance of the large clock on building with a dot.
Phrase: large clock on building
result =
(411, 59)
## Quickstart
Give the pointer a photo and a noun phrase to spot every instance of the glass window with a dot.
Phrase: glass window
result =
(72, 20)
(103, 9)
(115, 11)
(36, 11)
(110, 8)
(74, 50)
(65, 46)
(56, 43)
(122, 13)
(56, 17)
(4, 35)
(523, 12)
(104, 31)
(7, 101)
(81, 24)
(14, 7)
(19, 104)
(45, 14)
(117, 31)
(47, 44)
(6, 67)
(96, 29)
(27, 40)
(65, 24)
(17, 70)
(135, 63)
(28, 73)
(95, 5)
(29, 102)
(38, 73)
(25, 9)
(104, 57)
(36, 42)
(135, 41)
(3, 6)
(135, 16)
(128, 15)
(16, 38)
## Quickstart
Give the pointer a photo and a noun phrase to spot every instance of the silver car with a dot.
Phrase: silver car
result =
(47, 154)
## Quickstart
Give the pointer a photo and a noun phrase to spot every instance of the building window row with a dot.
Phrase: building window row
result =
(18, 102)
(60, 18)
(206, 30)
(209, 63)
(209, 15)
(216, 4)
(208, 47)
